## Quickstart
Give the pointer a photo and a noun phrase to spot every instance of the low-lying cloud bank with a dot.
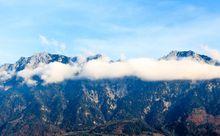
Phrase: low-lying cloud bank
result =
(51, 73)
(144, 68)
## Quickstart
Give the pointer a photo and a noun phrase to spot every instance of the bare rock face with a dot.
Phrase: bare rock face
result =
(201, 117)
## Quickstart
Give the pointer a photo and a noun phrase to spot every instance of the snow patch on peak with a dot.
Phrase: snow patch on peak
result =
(43, 57)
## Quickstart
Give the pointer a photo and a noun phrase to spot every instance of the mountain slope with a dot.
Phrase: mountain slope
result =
(126, 105)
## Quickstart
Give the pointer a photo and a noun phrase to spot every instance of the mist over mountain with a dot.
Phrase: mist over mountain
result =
(54, 68)
(52, 94)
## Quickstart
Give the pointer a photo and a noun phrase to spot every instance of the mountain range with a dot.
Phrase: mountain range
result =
(111, 106)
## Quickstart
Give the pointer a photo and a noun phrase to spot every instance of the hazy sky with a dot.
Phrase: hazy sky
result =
(134, 28)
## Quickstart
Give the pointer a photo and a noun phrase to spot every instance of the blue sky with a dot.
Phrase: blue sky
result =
(134, 28)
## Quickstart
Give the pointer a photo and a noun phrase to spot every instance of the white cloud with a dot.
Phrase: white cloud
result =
(52, 42)
(5, 74)
(212, 52)
(144, 68)
(149, 69)
(50, 73)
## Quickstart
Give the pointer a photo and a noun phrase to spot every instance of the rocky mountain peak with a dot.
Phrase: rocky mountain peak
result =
(180, 55)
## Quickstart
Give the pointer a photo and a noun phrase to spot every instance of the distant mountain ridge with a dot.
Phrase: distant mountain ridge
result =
(39, 58)
(8, 71)
(47, 58)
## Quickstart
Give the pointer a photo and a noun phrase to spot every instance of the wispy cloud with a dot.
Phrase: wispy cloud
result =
(61, 46)
(157, 38)
(212, 52)
(137, 28)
